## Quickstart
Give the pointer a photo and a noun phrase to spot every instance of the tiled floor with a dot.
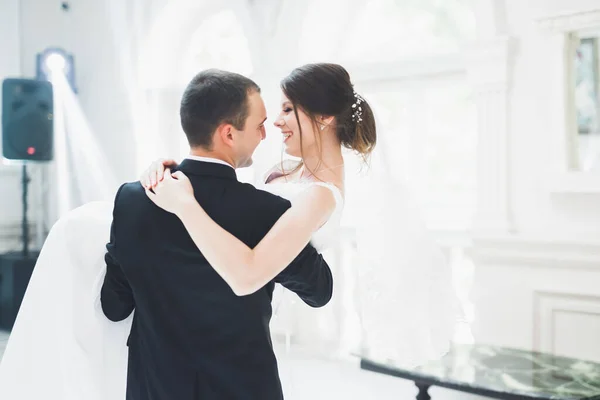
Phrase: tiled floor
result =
(305, 377)
(309, 378)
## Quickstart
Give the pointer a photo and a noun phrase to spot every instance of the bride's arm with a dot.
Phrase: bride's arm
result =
(155, 172)
(244, 269)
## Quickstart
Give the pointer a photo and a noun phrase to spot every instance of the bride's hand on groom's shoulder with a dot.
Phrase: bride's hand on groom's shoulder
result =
(155, 172)
(173, 193)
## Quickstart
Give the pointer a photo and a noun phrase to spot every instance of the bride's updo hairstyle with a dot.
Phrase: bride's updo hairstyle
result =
(326, 90)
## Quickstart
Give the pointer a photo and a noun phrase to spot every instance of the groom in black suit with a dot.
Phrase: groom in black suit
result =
(192, 337)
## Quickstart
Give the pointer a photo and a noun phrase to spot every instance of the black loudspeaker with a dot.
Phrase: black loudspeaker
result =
(15, 272)
(27, 120)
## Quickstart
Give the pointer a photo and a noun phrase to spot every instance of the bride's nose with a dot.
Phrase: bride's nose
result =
(279, 123)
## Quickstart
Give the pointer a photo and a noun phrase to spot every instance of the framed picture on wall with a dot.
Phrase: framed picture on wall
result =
(587, 85)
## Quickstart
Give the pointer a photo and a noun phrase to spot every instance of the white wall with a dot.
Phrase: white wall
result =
(534, 294)
(9, 38)
(532, 159)
(10, 66)
(537, 286)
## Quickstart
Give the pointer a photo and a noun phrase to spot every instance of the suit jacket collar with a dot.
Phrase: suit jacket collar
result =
(202, 168)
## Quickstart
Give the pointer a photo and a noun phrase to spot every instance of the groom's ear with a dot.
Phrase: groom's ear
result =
(225, 134)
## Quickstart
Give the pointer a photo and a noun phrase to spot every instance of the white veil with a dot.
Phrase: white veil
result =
(403, 290)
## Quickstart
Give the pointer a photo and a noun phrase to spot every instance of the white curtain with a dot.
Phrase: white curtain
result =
(84, 168)
(81, 171)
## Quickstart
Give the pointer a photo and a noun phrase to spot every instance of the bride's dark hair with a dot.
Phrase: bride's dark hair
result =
(326, 90)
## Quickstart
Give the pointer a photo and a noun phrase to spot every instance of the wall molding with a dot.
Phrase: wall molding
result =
(536, 252)
(409, 68)
(574, 182)
(572, 21)
(546, 306)
(489, 69)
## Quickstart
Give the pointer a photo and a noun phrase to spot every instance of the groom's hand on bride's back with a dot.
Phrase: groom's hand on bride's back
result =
(156, 172)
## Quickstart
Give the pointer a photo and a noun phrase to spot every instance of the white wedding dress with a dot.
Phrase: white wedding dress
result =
(403, 291)
(63, 348)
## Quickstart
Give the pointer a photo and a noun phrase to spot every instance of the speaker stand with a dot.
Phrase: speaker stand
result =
(16, 267)
(25, 223)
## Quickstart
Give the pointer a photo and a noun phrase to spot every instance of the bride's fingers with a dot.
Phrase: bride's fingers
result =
(180, 176)
(156, 172)
(169, 163)
(145, 180)
(160, 185)
(160, 171)
(158, 188)
(153, 173)
(148, 178)
(164, 164)
(150, 195)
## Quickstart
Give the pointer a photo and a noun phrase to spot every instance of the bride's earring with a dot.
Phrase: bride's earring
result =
(322, 127)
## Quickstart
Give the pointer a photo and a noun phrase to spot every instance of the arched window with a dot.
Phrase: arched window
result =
(405, 58)
(389, 30)
(219, 42)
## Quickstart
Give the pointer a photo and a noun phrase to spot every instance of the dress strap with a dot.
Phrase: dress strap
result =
(337, 193)
(272, 176)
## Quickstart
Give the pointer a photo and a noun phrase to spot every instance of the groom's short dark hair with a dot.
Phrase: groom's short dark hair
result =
(212, 98)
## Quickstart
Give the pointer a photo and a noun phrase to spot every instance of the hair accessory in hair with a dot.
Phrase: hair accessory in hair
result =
(357, 109)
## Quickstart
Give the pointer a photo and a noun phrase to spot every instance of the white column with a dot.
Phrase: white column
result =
(488, 67)
(491, 18)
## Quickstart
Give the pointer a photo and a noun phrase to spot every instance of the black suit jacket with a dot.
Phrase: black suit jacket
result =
(192, 337)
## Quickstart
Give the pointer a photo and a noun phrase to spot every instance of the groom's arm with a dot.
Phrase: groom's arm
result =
(309, 276)
(116, 295)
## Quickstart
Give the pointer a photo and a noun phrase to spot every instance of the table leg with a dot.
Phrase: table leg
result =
(422, 395)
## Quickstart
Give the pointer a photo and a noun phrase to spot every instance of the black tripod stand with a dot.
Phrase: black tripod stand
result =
(25, 223)
(16, 268)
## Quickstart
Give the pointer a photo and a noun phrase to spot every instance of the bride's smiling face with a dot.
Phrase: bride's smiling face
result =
(296, 144)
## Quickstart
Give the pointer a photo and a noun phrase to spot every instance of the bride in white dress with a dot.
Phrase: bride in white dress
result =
(62, 347)
(405, 297)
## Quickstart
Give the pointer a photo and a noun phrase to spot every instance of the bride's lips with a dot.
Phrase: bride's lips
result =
(286, 135)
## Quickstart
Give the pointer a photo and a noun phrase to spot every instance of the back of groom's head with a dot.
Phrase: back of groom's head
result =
(212, 98)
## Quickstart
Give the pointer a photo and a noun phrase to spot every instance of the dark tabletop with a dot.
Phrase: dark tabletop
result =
(502, 373)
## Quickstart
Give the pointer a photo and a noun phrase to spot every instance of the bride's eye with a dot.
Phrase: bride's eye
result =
(287, 109)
